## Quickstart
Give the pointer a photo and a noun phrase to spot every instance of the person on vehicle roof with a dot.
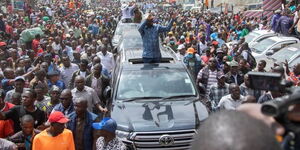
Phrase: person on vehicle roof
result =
(150, 35)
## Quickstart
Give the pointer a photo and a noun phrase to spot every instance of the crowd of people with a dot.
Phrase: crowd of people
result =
(57, 78)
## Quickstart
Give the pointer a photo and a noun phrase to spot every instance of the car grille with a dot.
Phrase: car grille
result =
(150, 140)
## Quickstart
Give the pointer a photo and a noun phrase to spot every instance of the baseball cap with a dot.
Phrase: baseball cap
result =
(220, 75)
(219, 50)
(234, 64)
(54, 88)
(107, 124)
(191, 51)
(2, 44)
(20, 78)
(57, 116)
(182, 37)
(215, 43)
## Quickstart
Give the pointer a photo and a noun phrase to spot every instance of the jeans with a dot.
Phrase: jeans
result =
(151, 60)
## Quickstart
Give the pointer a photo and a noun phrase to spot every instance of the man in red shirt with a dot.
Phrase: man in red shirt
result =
(9, 28)
(36, 43)
(6, 126)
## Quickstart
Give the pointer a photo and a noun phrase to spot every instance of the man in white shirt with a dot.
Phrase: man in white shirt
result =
(67, 70)
(233, 100)
(126, 12)
(107, 59)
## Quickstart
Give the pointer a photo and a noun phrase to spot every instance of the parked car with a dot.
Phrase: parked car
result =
(288, 53)
(271, 45)
(258, 35)
(157, 106)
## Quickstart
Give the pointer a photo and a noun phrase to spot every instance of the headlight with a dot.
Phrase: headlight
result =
(122, 134)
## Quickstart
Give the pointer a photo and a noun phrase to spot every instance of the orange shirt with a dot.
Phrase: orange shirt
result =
(6, 126)
(64, 141)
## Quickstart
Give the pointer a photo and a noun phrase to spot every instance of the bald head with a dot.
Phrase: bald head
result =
(232, 130)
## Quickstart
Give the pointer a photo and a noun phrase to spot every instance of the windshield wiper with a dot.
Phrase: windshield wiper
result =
(140, 98)
(177, 96)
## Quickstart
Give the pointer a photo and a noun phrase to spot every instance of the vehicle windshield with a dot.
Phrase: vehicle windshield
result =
(159, 83)
(251, 36)
(285, 53)
(263, 45)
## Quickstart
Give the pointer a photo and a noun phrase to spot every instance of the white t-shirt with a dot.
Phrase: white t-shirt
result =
(228, 103)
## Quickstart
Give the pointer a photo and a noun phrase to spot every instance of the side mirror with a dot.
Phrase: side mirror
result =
(270, 52)
(107, 92)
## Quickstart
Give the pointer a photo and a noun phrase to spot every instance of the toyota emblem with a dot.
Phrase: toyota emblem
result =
(166, 140)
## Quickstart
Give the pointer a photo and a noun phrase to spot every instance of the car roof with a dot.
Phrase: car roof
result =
(282, 38)
(261, 32)
(136, 54)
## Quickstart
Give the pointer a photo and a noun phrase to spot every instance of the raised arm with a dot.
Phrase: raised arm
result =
(168, 28)
(142, 27)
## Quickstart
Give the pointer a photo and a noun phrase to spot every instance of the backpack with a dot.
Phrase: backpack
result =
(251, 60)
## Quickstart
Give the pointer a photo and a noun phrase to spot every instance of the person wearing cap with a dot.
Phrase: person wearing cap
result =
(27, 107)
(219, 57)
(193, 61)
(181, 52)
(53, 99)
(53, 77)
(218, 90)
(233, 100)
(234, 75)
(80, 124)
(19, 84)
(56, 137)
(275, 19)
(108, 139)
(284, 23)
(150, 35)
(169, 38)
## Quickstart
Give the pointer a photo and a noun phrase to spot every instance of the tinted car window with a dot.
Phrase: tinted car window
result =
(154, 83)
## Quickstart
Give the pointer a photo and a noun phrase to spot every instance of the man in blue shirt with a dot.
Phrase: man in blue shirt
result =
(54, 80)
(284, 23)
(150, 35)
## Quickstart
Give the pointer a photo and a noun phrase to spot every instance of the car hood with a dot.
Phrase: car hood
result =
(148, 116)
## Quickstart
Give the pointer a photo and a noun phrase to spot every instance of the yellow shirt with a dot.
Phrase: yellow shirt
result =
(63, 141)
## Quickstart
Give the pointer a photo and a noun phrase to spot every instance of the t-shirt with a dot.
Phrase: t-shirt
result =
(18, 112)
(6, 126)
(64, 141)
